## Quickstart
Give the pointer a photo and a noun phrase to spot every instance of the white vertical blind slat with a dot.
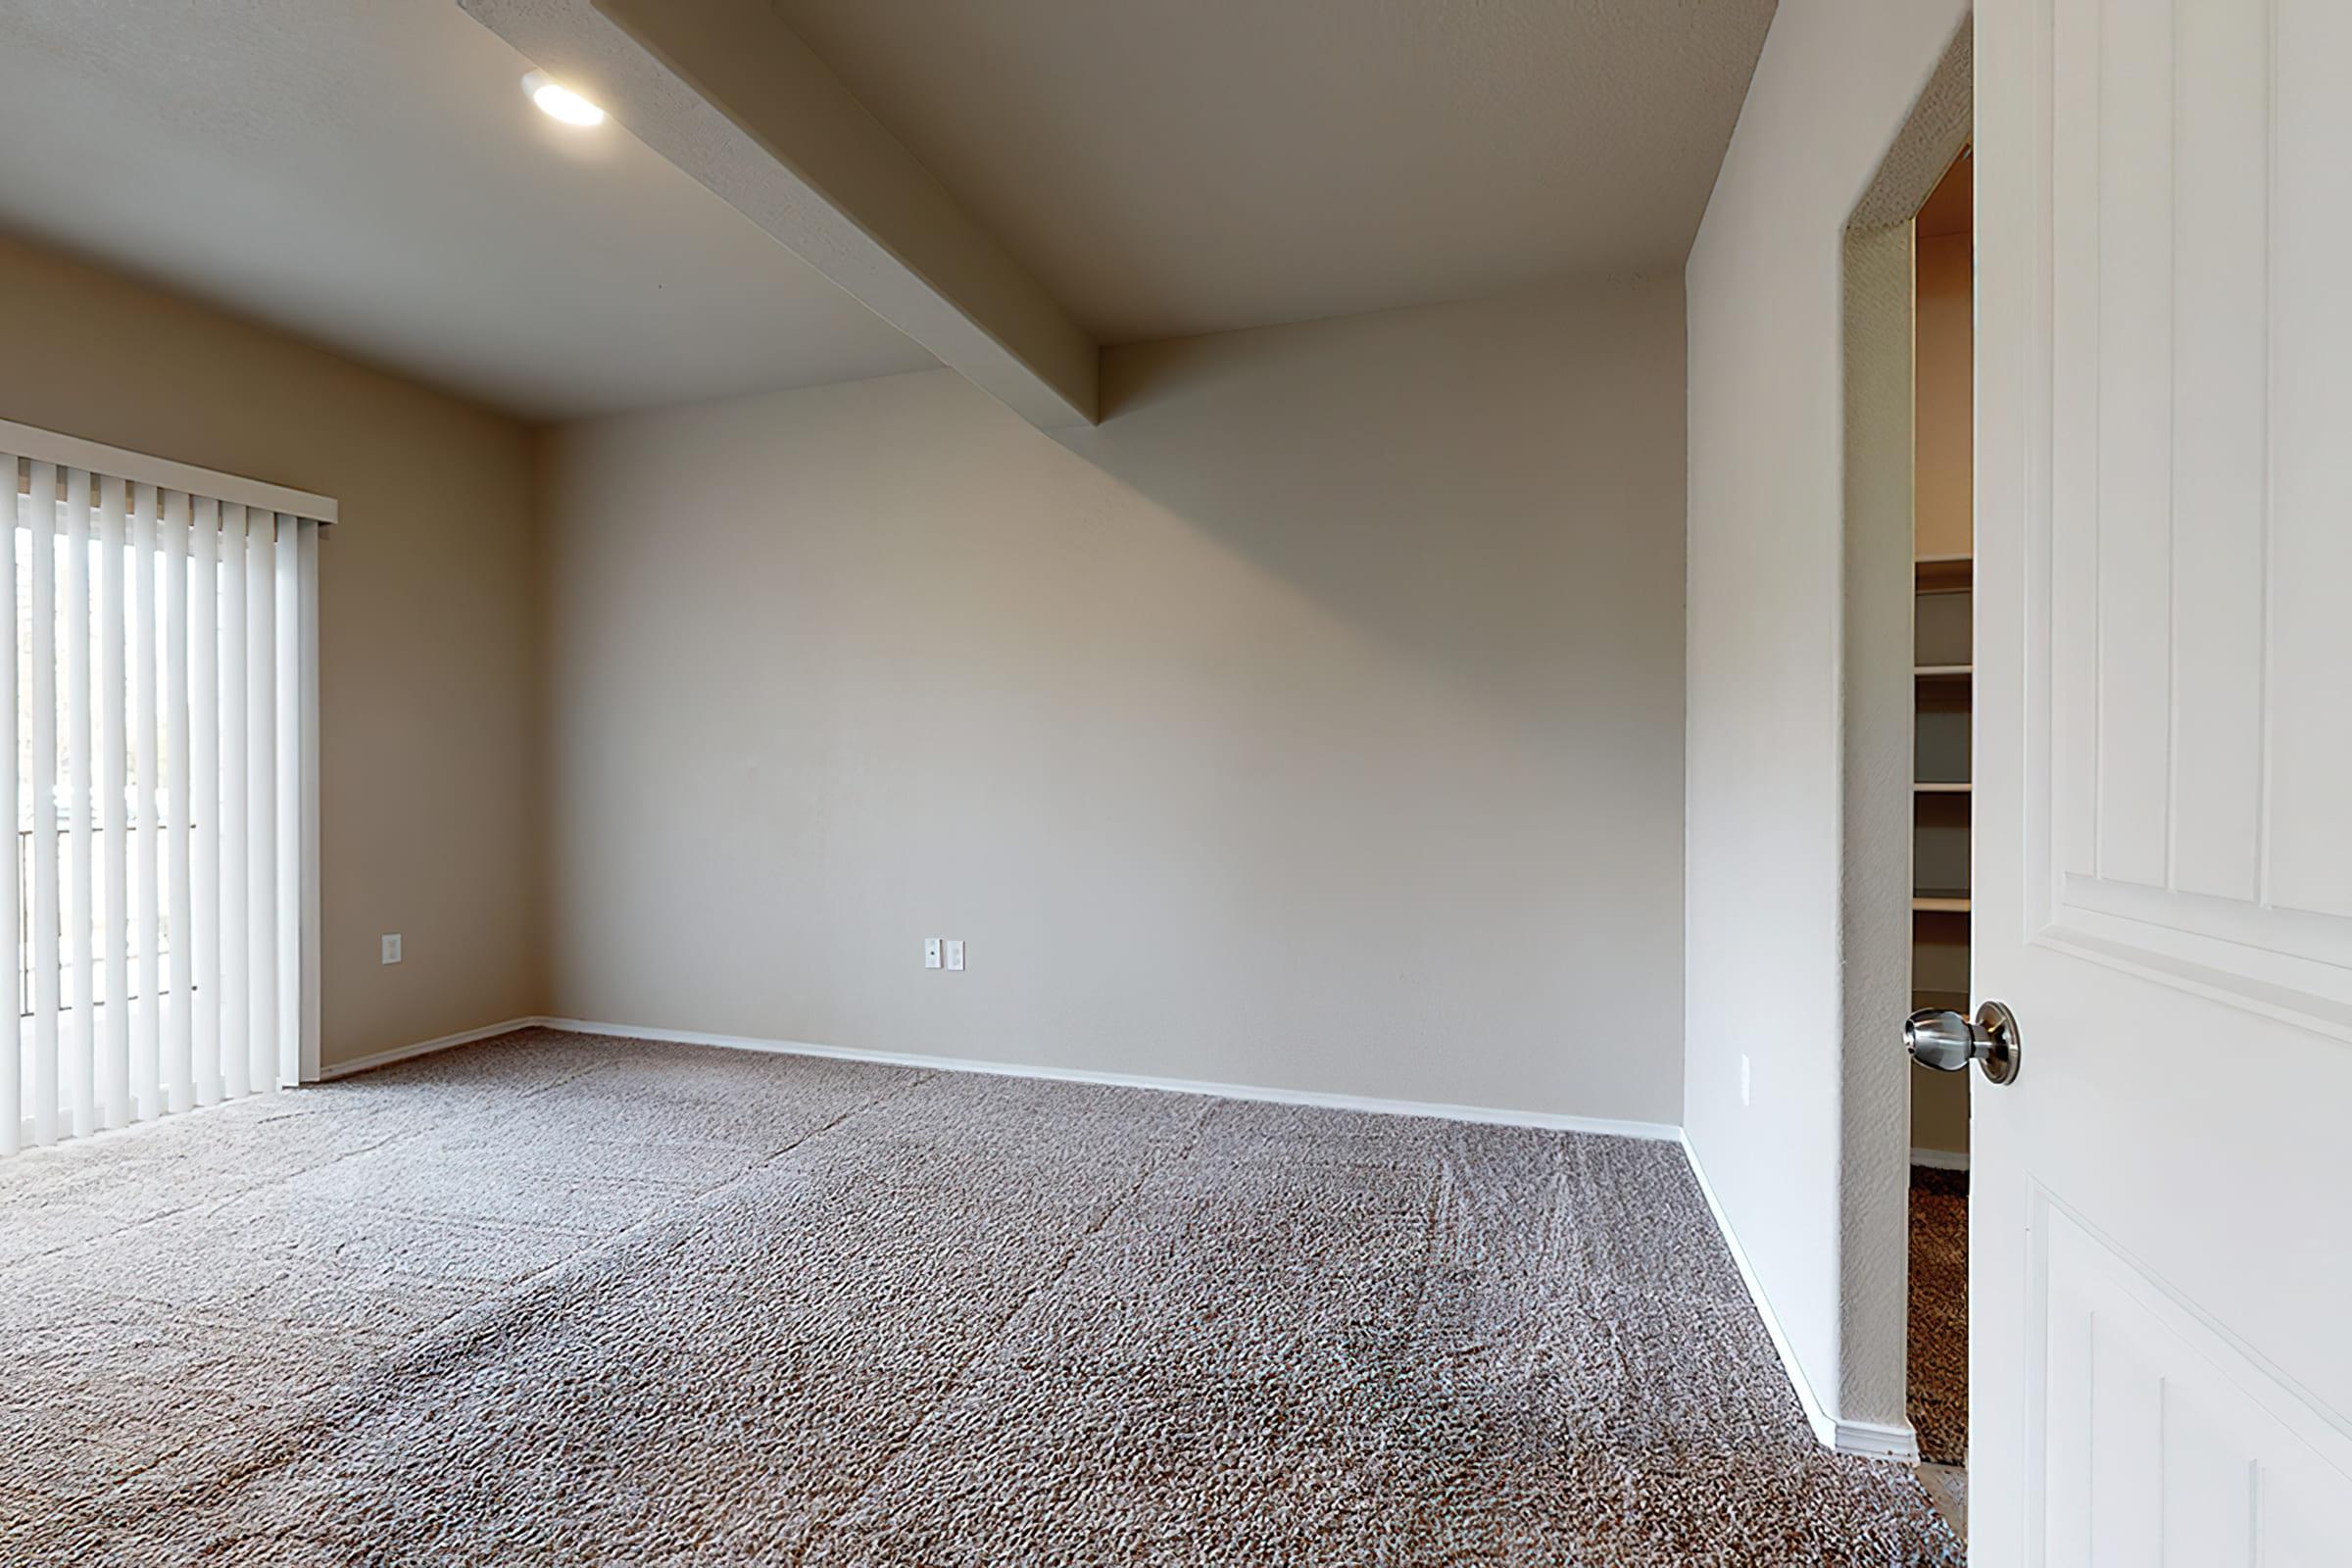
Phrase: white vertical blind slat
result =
(164, 904)
(42, 524)
(146, 1013)
(113, 1018)
(203, 927)
(73, 903)
(286, 597)
(237, 928)
(12, 939)
(200, 1077)
(307, 827)
(260, 838)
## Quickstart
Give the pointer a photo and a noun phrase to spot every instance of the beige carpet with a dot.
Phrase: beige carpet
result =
(558, 1300)
(1939, 1338)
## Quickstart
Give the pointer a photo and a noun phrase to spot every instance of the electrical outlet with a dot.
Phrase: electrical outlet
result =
(1746, 1081)
(955, 953)
(930, 952)
(392, 947)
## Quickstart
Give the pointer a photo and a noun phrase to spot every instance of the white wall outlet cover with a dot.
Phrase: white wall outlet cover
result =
(392, 947)
(931, 953)
(955, 953)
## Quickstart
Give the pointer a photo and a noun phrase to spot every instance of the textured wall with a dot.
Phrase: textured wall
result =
(1768, 882)
(428, 744)
(1313, 722)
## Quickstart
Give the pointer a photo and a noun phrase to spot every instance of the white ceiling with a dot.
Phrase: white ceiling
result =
(369, 173)
(1172, 166)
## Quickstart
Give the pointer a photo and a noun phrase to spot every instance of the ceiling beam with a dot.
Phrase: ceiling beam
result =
(728, 93)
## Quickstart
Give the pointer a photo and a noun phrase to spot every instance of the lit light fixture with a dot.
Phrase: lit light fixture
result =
(560, 101)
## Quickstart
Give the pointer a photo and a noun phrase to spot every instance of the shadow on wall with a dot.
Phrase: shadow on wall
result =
(1484, 501)
(1313, 722)
(1493, 489)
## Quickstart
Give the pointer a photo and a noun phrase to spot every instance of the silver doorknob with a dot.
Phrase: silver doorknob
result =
(1948, 1041)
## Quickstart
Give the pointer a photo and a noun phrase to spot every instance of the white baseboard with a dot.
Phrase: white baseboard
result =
(1940, 1158)
(422, 1048)
(1869, 1440)
(1659, 1131)
(1662, 1132)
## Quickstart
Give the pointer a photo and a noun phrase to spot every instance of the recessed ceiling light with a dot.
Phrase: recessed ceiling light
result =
(560, 101)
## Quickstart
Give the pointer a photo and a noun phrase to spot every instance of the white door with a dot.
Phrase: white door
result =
(2161, 1235)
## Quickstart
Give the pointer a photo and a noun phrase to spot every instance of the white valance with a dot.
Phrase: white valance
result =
(134, 467)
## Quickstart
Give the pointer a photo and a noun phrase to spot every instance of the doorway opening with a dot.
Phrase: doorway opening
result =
(1942, 498)
(1905, 814)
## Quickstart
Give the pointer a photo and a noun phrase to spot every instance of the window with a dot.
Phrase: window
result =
(161, 710)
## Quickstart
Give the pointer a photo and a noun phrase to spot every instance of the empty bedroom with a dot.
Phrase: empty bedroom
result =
(802, 782)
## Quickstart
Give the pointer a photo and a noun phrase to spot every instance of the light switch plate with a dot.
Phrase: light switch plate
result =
(392, 947)
(930, 952)
(955, 953)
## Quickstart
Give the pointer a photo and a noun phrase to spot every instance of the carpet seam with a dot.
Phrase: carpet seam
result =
(761, 1354)
(165, 1457)
(218, 1200)
(200, 1205)
(649, 1226)
(306, 1402)
(824, 1531)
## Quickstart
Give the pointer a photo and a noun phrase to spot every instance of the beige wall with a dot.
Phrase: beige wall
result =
(1766, 687)
(1314, 722)
(429, 745)
(1944, 476)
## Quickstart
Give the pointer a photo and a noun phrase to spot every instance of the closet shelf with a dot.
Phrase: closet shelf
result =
(1926, 787)
(1944, 574)
(1939, 904)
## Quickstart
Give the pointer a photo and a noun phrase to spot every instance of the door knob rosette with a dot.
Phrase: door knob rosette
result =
(1949, 1041)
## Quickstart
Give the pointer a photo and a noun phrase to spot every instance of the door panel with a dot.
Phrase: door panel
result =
(2161, 1261)
(2166, 1442)
(2197, 723)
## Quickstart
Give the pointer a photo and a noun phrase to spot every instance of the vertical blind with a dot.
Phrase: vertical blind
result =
(161, 713)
